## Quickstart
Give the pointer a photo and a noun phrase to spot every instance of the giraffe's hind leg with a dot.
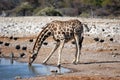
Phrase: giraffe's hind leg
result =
(80, 46)
(77, 48)
(54, 49)
(79, 40)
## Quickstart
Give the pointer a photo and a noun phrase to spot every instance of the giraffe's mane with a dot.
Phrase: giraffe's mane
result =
(44, 28)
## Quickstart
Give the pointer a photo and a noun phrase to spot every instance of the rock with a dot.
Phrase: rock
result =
(31, 40)
(111, 39)
(96, 39)
(54, 71)
(18, 77)
(11, 37)
(7, 44)
(22, 55)
(15, 38)
(17, 47)
(24, 48)
(1, 42)
(101, 40)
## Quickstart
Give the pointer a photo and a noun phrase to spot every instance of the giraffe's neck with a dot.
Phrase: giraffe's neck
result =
(45, 33)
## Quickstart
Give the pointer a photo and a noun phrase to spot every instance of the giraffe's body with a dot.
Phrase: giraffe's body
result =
(62, 32)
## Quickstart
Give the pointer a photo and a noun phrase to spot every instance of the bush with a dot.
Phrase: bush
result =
(84, 14)
(36, 10)
(48, 11)
(24, 9)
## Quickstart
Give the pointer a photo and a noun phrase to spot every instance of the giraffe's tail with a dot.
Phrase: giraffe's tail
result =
(86, 26)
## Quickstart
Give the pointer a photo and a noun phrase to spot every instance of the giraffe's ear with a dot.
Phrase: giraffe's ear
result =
(30, 54)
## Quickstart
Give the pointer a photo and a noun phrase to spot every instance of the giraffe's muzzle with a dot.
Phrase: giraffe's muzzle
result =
(32, 58)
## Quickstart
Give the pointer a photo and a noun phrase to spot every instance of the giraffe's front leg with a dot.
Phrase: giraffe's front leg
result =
(51, 53)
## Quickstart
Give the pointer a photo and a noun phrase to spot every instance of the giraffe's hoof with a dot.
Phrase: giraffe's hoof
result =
(44, 63)
(75, 63)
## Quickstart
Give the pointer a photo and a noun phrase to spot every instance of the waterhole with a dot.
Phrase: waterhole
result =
(10, 69)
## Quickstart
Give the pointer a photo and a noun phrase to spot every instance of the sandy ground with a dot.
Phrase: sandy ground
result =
(98, 61)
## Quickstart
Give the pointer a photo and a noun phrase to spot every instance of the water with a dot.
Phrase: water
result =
(9, 69)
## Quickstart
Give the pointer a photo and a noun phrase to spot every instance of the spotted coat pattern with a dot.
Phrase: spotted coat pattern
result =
(62, 32)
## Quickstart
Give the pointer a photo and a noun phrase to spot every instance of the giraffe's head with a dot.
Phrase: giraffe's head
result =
(32, 57)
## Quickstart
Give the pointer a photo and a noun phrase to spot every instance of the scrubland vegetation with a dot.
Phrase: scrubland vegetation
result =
(82, 8)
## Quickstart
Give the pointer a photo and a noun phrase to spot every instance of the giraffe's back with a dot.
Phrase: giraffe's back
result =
(66, 29)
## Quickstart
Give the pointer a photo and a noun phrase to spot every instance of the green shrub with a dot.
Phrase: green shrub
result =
(85, 14)
(48, 11)
(36, 10)
(24, 8)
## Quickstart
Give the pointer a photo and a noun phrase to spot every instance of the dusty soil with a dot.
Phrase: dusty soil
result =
(98, 60)
(101, 64)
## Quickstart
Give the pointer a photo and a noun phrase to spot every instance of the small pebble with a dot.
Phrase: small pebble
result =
(18, 77)
(7, 44)
(111, 39)
(24, 48)
(54, 71)
(96, 39)
(11, 37)
(1, 42)
(15, 38)
(103, 29)
(17, 46)
(22, 55)
(101, 40)
(31, 40)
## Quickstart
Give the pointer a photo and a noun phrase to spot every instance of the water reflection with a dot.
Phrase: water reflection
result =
(40, 69)
(8, 61)
(11, 61)
(9, 69)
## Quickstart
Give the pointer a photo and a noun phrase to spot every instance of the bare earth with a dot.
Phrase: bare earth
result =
(98, 61)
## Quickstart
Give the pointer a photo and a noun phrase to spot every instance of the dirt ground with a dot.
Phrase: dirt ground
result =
(99, 60)
(95, 64)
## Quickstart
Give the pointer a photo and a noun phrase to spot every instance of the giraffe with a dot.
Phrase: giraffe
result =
(62, 32)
